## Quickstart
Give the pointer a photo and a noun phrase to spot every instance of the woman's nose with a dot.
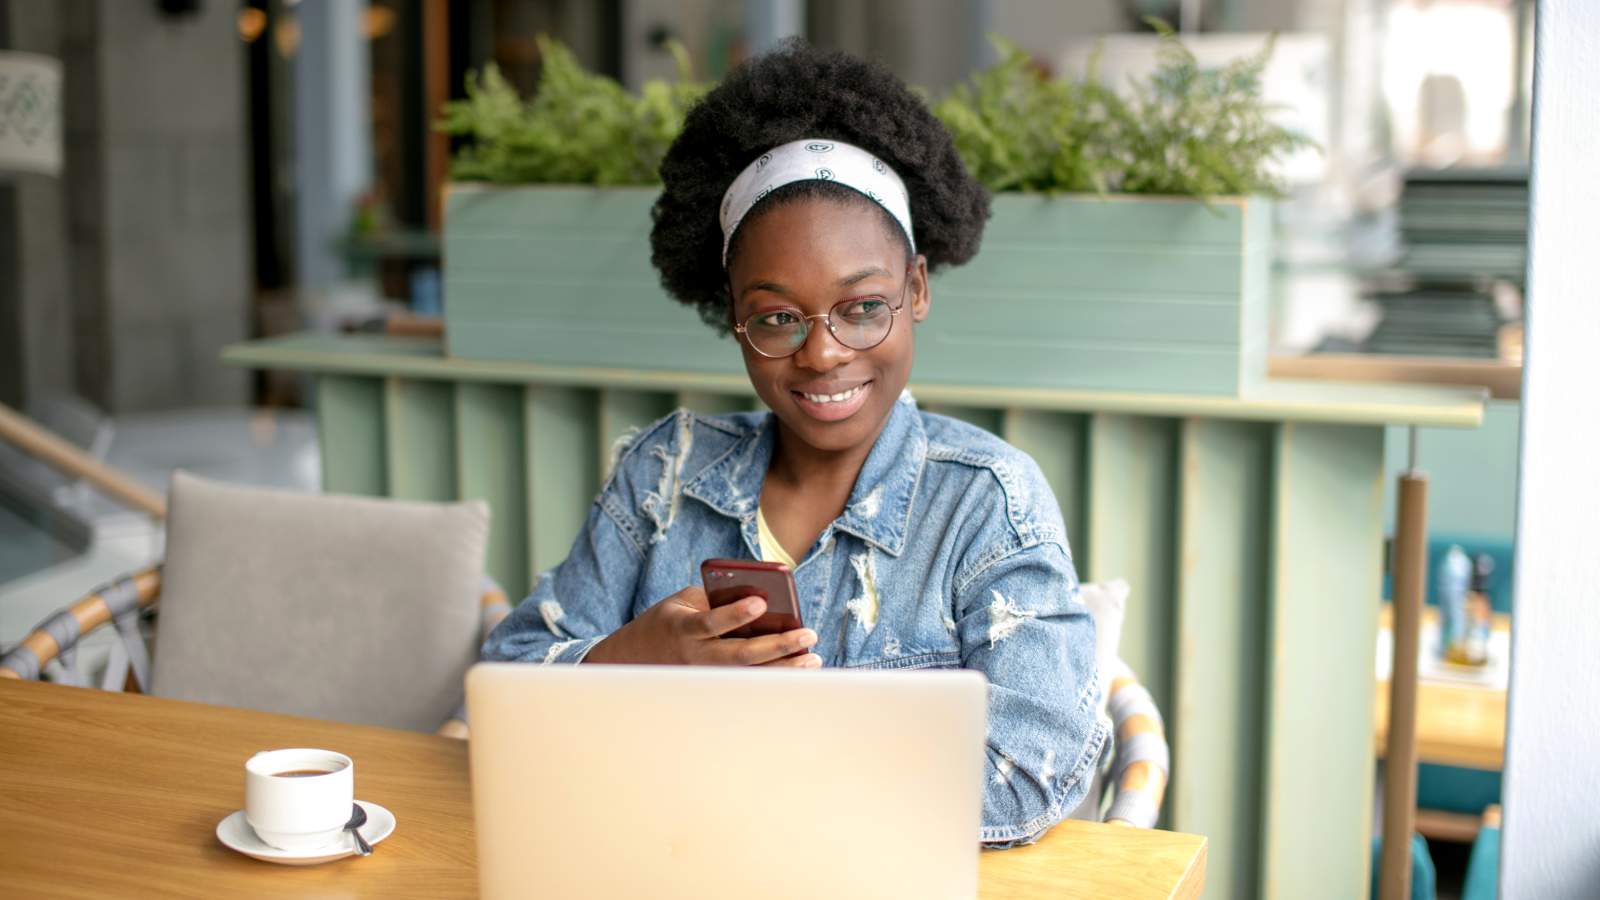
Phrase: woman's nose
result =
(822, 352)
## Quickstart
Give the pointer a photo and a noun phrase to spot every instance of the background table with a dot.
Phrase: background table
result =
(106, 794)
(1458, 723)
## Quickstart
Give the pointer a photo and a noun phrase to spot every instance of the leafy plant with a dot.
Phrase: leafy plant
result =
(1019, 131)
(1183, 130)
(578, 128)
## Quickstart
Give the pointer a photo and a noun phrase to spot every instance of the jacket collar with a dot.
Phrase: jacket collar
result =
(879, 508)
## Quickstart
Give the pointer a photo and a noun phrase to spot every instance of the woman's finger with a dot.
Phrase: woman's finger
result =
(757, 650)
(723, 619)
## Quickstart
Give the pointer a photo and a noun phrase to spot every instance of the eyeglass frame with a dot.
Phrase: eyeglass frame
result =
(742, 328)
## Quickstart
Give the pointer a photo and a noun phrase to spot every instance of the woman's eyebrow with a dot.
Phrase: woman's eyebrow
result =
(862, 275)
(771, 287)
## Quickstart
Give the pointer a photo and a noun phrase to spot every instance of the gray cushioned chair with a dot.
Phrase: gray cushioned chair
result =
(350, 608)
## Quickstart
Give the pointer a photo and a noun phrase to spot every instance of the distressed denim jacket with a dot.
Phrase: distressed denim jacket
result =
(951, 552)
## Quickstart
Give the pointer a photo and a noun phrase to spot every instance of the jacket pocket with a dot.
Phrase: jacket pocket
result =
(946, 660)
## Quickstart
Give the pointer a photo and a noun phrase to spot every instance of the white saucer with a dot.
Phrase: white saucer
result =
(236, 834)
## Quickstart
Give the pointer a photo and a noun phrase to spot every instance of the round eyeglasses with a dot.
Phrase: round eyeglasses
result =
(859, 323)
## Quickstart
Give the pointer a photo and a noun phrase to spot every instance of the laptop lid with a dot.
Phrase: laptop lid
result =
(658, 781)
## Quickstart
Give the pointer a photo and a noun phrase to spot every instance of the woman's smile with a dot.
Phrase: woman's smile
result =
(831, 402)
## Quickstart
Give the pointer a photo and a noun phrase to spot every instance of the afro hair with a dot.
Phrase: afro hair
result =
(791, 92)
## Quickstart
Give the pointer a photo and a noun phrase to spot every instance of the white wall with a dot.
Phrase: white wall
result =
(1551, 842)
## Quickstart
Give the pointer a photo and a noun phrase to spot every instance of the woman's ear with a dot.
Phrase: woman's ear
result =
(921, 296)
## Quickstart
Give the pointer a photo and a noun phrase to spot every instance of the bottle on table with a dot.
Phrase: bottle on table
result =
(1455, 580)
(1474, 649)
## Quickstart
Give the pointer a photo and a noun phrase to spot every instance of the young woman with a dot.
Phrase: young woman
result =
(804, 206)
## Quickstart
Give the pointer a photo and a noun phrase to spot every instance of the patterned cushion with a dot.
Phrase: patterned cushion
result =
(1108, 603)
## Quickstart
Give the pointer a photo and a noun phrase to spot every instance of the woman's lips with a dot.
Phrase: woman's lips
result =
(832, 407)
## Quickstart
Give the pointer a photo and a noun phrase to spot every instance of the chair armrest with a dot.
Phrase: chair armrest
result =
(57, 636)
(1143, 758)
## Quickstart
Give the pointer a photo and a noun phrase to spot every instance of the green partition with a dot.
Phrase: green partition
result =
(1115, 292)
(1250, 529)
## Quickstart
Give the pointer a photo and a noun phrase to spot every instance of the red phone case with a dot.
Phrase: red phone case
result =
(731, 580)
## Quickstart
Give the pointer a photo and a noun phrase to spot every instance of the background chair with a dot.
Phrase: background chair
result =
(1140, 767)
(346, 608)
(1130, 787)
(1483, 867)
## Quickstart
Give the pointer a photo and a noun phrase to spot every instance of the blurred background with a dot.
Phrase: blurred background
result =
(234, 170)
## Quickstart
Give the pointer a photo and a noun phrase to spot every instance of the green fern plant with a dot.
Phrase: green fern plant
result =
(1183, 130)
(578, 128)
(1019, 131)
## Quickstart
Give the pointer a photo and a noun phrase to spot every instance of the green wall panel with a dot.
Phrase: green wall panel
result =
(1472, 475)
(1058, 442)
(1214, 721)
(419, 439)
(490, 464)
(623, 412)
(563, 469)
(350, 429)
(1132, 498)
(709, 404)
(987, 419)
(1326, 566)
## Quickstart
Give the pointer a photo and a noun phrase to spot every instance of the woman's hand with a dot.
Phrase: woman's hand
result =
(684, 630)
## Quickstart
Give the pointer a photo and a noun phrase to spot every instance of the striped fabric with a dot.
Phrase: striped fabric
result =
(1139, 770)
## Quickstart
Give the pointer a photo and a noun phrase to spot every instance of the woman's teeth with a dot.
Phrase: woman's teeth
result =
(833, 398)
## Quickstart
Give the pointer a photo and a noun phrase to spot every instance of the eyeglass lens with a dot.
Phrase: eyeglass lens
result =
(857, 324)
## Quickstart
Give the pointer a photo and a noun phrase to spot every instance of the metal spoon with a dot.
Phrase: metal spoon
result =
(358, 818)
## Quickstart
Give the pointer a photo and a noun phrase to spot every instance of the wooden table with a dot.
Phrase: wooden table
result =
(1457, 724)
(106, 794)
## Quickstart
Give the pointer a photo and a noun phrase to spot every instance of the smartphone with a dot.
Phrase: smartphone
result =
(731, 580)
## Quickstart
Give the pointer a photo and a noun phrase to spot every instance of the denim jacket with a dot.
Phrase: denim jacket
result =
(950, 552)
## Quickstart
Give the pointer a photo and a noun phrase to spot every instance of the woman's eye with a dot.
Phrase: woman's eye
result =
(779, 319)
(869, 308)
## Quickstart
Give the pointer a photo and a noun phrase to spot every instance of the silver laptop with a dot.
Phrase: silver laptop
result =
(656, 781)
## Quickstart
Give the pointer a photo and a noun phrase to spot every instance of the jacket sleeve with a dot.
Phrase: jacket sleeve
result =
(1021, 623)
(588, 596)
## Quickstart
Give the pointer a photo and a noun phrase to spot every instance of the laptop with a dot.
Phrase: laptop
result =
(662, 781)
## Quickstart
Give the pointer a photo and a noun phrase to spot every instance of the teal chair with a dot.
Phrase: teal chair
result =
(1483, 866)
(1424, 883)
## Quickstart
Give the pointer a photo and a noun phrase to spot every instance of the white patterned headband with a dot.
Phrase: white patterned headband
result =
(815, 159)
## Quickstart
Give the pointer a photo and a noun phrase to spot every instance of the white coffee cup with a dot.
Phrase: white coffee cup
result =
(292, 810)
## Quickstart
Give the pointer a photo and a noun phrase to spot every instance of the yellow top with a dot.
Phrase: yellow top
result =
(771, 550)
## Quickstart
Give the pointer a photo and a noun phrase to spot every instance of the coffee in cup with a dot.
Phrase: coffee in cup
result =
(298, 799)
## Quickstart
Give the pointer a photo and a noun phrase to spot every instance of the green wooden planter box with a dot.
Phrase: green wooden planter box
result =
(1072, 291)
